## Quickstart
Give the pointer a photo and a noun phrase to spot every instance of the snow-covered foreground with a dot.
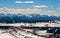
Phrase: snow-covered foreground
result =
(22, 33)
(39, 24)
(17, 34)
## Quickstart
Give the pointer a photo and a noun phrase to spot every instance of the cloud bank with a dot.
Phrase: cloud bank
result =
(28, 11)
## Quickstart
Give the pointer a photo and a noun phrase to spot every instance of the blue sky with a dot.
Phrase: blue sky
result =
(44, 5)
(13, 4)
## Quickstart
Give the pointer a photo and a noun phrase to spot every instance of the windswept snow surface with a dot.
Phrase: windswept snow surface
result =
(19, 34)
(39, 24)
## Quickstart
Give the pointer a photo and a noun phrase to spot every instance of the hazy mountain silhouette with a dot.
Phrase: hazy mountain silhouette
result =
(10, 18)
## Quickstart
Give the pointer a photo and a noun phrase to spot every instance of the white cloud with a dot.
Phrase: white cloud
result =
(10, 10)
(24, 2)
(21, 11)
(41, 6)
(50, 11)
(28, 11)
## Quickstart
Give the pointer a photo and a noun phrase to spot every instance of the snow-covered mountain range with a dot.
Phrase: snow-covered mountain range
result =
(9, 18)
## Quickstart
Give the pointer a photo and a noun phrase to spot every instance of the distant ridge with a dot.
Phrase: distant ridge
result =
(30, 18)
